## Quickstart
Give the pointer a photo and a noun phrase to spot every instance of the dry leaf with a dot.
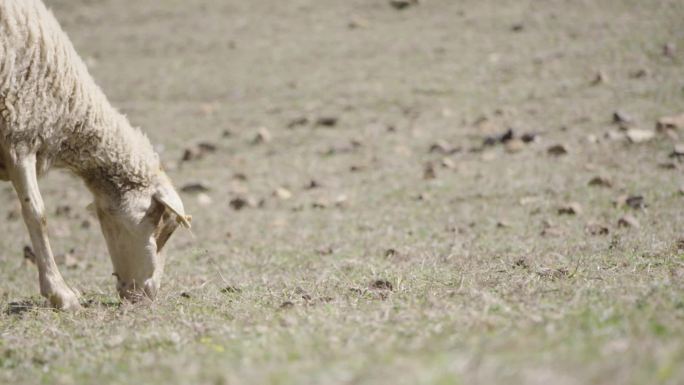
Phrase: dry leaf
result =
(599, 78)
(195, 187)
(628, 221)
(594, 228)
(674, 122)
(600, 181)
(557, 150)
(572, 208)
(262, 136)
(514, 145)
(429, 171)
(622, 119)
(403, 4)
(327, 121)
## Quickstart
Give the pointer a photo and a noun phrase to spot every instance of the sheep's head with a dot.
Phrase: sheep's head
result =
(136, 225)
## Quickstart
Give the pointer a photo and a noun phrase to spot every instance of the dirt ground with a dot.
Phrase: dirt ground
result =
(366, 220)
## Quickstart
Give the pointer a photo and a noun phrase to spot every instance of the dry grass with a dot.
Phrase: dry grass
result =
(407, 280)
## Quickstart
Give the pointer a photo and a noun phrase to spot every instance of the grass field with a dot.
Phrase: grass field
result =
(380, 241)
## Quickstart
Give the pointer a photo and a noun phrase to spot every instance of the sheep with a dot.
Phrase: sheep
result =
(52, 114)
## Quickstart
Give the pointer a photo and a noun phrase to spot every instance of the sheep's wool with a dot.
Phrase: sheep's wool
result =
(51, 106)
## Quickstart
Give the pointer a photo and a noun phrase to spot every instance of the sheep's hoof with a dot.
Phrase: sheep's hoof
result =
(65, 300)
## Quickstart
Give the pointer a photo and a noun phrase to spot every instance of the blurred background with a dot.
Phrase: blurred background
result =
(437, 191)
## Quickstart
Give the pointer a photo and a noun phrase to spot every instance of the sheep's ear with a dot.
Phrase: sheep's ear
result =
(167, 196)
(91, 209)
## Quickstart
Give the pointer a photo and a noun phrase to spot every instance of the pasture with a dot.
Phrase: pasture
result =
(360, 214)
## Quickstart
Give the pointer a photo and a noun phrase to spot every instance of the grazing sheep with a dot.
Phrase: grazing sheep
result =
(52, 114)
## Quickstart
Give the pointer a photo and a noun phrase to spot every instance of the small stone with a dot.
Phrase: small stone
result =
(341, 200)
(448, 163)
(614, 135)
(282, 193)
(637, 135)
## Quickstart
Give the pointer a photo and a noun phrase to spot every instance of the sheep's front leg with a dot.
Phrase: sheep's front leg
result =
(52, 286)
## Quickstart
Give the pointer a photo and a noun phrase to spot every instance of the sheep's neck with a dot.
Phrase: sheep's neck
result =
(108, 153)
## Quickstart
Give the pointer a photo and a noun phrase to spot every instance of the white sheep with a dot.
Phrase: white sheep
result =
(52, 114)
